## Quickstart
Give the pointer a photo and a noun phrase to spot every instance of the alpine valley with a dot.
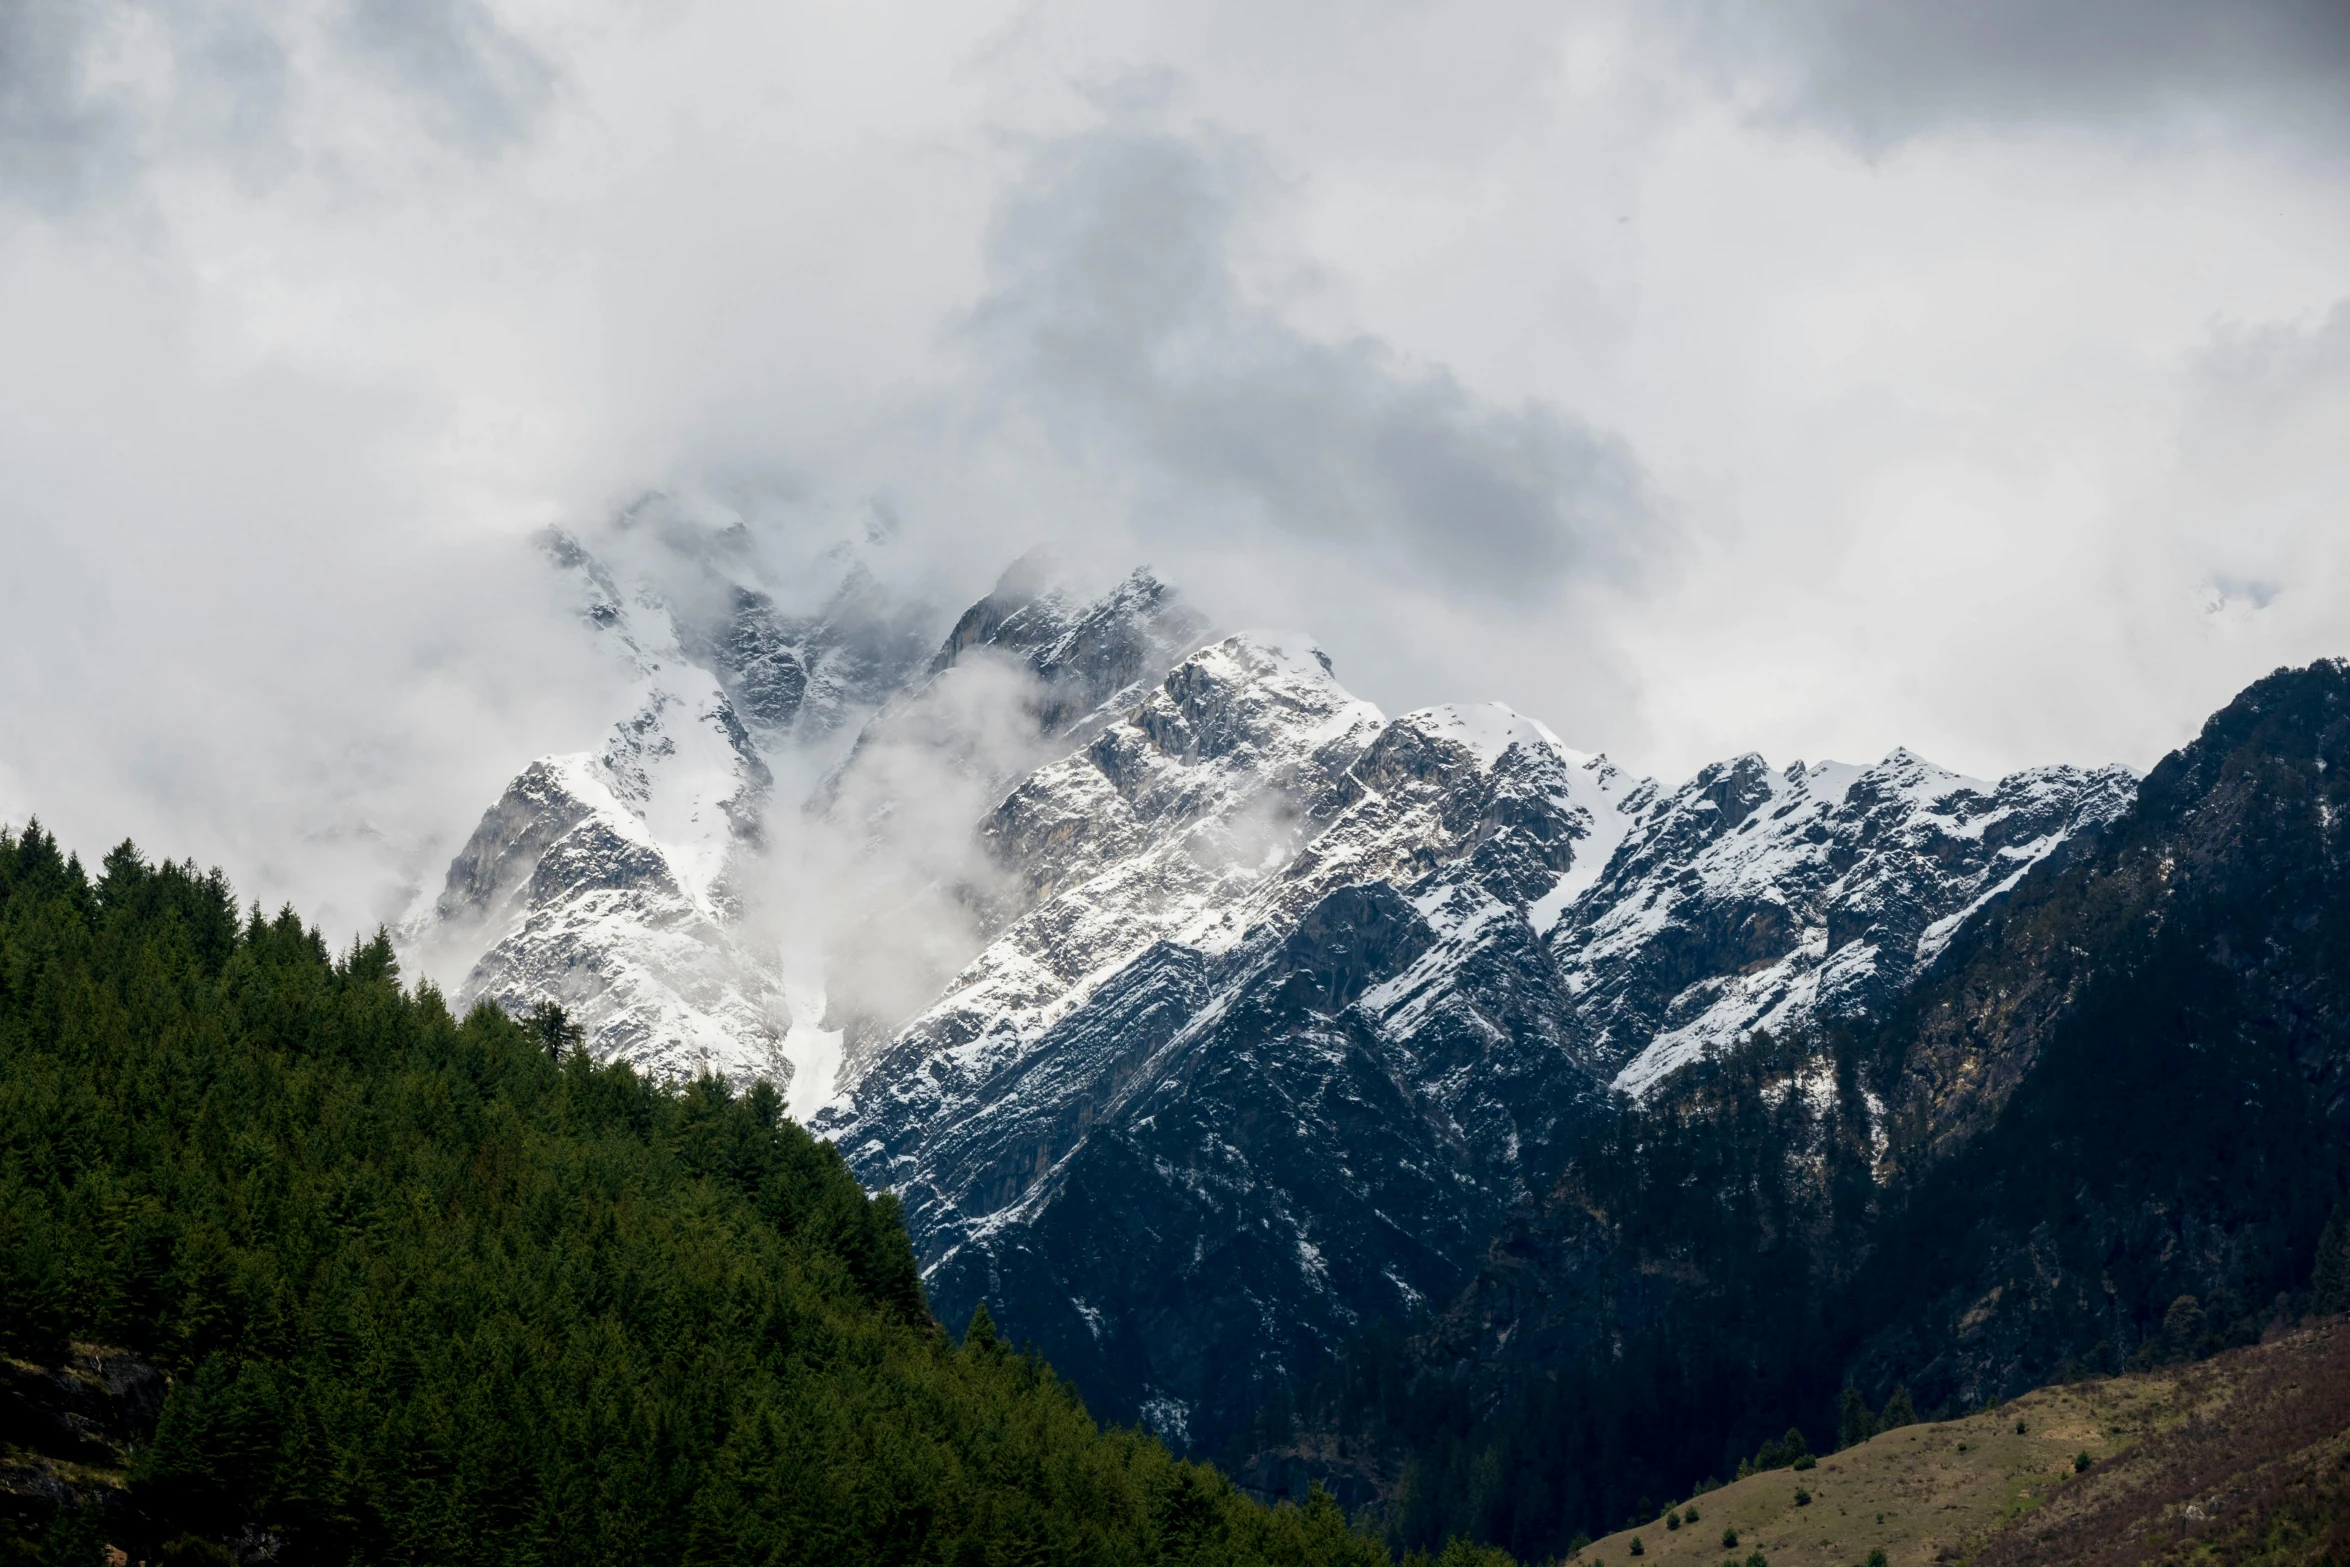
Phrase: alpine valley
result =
(1415, 1104)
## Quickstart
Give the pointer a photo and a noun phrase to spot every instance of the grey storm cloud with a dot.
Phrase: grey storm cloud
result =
(58, 140)
(72, 130)
(1882, 70)
(484, 83)
(1117, 313)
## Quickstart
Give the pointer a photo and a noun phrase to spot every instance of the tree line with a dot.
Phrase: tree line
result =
(437, 1288)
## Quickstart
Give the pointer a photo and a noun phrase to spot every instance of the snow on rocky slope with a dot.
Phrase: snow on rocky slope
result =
(615, 881)
(1151, 1113)
(1758, 899)
(602, 880)
(1293, 1001)
(1255, 1010)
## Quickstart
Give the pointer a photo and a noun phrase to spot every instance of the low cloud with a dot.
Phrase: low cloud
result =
(1118, 314)
(883, 872)
(2258, 507)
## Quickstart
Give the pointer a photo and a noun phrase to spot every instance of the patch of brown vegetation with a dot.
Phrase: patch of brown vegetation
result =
(2256, 1474)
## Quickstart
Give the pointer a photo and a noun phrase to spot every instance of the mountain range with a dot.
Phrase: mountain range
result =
(1391, 1101)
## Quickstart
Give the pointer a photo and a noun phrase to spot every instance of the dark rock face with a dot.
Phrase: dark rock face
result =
(2136, 1084)
(764, 663)
(67, 1431)
(530, 817)
(798, 677)
(1090, 658)
(1273, 1165)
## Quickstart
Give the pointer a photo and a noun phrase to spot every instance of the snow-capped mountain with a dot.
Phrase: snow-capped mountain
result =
(1156, 1122)
(601, 879)
(1200, 1012)
(1758, 899)
(616, 881)
(1297, 1000)
(613, 880)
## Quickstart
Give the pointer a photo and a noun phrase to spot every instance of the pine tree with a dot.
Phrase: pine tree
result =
(1898, 1410)
(552, 1027)
(1854, 1423)
(2329, 1286)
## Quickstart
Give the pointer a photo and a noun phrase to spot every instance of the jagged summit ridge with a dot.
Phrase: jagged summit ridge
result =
(615, 880)
(602, 880)
(1754, 898)
(1292, 1001)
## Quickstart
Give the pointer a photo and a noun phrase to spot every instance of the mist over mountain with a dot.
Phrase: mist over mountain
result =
(1382, 1106)
(1290, 1074)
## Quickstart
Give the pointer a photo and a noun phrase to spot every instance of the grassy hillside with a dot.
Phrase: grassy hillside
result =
(2254, 1440)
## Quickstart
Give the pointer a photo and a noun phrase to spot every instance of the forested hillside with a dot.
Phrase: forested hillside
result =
(2107, 1130)
(297, 1266)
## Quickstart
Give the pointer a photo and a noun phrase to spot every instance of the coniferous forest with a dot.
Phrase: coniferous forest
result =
(427, 1288)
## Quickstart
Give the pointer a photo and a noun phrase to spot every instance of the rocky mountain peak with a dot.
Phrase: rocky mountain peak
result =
(1757, 899)
(1032, 669)
(1252, 701)
(1084, 650)
(1244, 1012)
(605, 880)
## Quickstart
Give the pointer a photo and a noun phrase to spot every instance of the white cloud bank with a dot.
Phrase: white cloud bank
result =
(1800, 376)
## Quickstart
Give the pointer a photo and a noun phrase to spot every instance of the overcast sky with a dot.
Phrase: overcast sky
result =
(1810, 377)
